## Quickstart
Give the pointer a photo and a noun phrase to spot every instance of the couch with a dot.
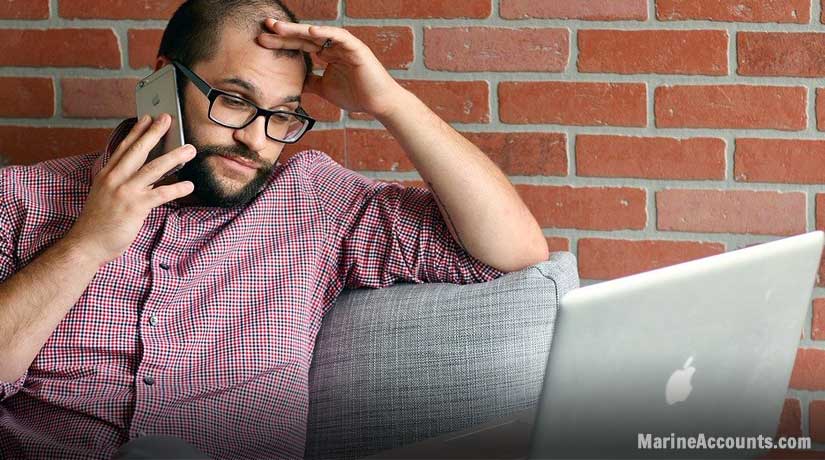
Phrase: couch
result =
(402, 364)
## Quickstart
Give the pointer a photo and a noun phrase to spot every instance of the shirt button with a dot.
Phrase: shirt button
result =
(153, 320)
(164, 266)
(149, 380)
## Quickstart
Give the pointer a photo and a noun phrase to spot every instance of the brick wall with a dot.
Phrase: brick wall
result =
(641, 133)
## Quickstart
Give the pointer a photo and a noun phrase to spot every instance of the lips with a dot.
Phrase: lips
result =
(243, 161)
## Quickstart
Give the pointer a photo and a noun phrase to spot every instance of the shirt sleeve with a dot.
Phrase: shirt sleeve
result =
(7, 268)
(386, 232)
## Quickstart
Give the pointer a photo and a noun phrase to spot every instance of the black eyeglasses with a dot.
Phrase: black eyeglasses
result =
(236, 112)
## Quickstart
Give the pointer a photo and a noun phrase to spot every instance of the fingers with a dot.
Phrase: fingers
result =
(273, 41)
(137, 130)
(151, 172)
(167, 193)
(341, 38)
(135, 155)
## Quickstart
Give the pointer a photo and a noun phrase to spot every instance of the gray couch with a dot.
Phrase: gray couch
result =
(398, 365)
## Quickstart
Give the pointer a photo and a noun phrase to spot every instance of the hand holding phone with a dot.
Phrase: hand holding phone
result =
(121, 198)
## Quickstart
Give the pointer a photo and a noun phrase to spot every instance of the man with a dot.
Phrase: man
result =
(190, 309)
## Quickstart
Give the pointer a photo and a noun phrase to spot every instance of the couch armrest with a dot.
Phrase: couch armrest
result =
(401, 364)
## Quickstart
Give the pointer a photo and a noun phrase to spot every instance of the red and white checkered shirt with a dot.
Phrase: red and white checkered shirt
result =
(204, 328)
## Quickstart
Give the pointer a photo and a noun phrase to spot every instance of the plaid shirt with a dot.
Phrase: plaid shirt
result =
(204, 328)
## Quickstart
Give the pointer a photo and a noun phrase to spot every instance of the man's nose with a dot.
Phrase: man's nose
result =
(253, 135)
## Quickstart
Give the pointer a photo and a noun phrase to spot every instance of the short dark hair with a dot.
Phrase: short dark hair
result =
(194, 31)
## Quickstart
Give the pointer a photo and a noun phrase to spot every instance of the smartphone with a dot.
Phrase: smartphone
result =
(156, 94)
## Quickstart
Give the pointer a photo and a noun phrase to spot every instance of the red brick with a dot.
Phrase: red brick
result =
(586, 208)
(780, 160)
(809, 370)
(820, 109)
(790, 421)
(319, 108)
(410, 183)
(26, 97)
(143, 47)
(331, 141)
(24, 9)
(375, 150)
(393, 46)
(690, 52)
(313, 9)
(731, 211)
(463, 49)
(118, 9)
(515, 153)
(788, 11)
(781, 54)
(477, 9)
(731, 106)
(59, 48)
(573, 103)
(99, 97)
(29, 145)
(454, 101)
(524, 154)
(650, 157)
(595, 10)
(818, 319)
(604, 259)
(556, 244)
(816, 414)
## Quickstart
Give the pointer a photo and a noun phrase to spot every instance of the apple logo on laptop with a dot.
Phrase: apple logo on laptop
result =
(678, 385)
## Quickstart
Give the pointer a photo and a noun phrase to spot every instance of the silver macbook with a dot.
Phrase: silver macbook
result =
(642, 364)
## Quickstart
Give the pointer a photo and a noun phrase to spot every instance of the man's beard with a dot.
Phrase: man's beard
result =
(208, 189)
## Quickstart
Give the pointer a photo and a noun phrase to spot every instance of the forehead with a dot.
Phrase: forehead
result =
(239, 56)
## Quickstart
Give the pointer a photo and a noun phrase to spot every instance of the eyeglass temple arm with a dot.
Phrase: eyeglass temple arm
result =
(198, 81)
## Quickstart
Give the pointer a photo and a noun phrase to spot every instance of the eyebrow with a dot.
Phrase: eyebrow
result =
(255, 91)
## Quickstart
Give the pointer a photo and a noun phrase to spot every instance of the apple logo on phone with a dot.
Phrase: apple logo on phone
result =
(156, 100)
(678, 385)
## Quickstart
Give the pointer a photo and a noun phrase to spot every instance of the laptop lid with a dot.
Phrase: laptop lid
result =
(706, 347)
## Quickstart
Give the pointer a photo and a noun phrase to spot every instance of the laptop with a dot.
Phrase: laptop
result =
(642, 364)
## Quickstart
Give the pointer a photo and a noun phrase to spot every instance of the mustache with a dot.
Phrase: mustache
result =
(230, 151)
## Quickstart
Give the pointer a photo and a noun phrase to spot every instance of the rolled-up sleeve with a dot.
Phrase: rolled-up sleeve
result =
(387, 232)
(7, 268)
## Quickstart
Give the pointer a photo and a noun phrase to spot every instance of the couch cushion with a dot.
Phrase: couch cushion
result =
(408, 362)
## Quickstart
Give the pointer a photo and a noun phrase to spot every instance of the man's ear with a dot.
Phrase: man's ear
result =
(161, 61)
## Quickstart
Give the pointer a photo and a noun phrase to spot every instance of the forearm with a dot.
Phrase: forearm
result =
(479, 204)
(34, 300)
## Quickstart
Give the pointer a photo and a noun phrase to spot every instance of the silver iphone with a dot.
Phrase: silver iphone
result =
(156, 94)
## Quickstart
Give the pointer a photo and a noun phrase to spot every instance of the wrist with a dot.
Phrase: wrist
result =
(84, 252)
(395, 102)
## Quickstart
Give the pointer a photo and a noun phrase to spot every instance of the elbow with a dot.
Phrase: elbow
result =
(525, 259)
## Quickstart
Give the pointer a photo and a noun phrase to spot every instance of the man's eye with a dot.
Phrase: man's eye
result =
(235, 102)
